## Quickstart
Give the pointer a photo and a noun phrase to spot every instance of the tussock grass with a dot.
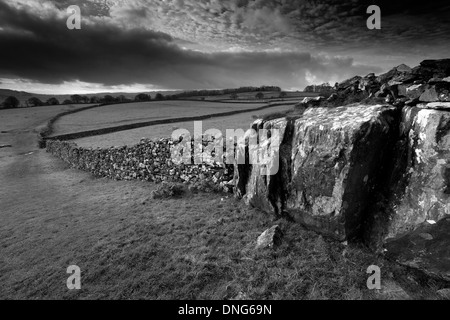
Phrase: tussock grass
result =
(168, 190)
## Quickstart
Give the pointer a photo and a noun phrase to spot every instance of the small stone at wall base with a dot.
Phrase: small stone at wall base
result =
(270, 238)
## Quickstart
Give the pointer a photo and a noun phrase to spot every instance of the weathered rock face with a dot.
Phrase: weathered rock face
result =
(263, 181)
(337, 156)
(427, 173)
(435, 105)
(242, 160)
(329, 165)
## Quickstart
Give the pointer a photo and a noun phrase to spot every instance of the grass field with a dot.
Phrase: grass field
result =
(131, 137)
(120, 114)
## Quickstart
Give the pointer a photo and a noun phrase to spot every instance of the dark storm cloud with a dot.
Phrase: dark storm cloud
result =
(43, 49)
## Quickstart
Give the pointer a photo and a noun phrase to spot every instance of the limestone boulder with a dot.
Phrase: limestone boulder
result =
(337, 158)
(435, 105)
(311, 101)
(328, 166)
(415, 91)
(263, 178)
(270, 238)
(369, 84)
(424, 193)
(242, 163)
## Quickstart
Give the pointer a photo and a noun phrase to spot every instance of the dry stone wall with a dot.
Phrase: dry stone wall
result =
(147, 161)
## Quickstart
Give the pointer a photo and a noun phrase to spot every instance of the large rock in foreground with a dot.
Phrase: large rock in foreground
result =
(330, 163)
(337, 165)
(334, 165)
(424, 192)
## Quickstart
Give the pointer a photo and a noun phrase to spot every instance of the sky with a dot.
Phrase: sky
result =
(148, 45)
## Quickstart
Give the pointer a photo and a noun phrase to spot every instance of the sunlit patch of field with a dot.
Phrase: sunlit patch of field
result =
(12, 119)
(132, 137)
(120, 114)
(19, 121)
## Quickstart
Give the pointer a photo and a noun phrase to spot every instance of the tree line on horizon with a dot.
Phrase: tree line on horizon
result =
(220, 92)
(12, 102)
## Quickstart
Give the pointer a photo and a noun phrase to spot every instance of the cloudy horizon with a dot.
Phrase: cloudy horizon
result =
(137, 45)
